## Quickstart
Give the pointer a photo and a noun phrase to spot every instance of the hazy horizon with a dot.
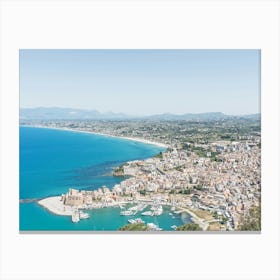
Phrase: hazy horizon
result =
(162, 113)
(142, 82)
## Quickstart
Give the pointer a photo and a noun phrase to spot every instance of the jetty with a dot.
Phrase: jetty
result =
(55, 205)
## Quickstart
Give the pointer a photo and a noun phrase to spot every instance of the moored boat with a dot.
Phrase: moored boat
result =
(83, 215)
(126, 213)
(139, 220)
(147, 213)
(153, 227)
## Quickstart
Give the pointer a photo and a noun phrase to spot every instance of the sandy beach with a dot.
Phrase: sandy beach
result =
(55, 205)
(107, 135)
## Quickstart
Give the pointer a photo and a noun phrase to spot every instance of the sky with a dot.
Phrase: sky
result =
(142, 82)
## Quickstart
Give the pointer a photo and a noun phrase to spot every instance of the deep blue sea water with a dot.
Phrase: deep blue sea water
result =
(52, 161)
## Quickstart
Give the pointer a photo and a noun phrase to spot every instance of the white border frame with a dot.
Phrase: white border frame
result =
(139, 24)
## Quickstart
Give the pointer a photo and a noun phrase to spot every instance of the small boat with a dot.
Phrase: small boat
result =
(139, 220)
(174, 227)
(126, 213)
(83, 215)
(152, 226)
(132, 221)
(147, 213)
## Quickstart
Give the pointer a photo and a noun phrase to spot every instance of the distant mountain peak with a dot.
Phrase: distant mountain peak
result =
(51, 113)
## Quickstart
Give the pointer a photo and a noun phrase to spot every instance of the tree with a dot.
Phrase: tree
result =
(159, 155)
(134, 227)
(143, 192)
(189, 227)
(252, 220)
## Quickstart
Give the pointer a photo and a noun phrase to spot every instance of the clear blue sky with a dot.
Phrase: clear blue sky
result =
(142, 82)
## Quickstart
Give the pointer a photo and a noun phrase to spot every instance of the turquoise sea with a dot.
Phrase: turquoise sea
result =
(52, 161)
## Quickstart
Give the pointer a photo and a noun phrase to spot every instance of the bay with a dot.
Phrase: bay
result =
(52, 161)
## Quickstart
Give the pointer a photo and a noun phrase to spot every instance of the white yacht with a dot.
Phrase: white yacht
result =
(152, 226)
(133, 208)
(126, 213)
(83, 215)
(147, 213)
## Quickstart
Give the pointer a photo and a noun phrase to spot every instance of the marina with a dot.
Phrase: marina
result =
(125, 212)
(101, 219)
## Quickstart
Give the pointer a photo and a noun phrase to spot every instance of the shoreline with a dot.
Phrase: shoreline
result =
(162, 145)
(55, 205)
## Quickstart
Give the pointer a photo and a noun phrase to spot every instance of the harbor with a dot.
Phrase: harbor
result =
(104, 217)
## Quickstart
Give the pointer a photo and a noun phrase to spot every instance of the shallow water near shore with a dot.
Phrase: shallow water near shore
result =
(52, 161)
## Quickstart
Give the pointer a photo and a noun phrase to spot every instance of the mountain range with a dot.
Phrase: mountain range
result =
(56, 113)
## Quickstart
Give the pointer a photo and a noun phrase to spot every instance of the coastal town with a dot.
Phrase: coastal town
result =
(209, 169)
